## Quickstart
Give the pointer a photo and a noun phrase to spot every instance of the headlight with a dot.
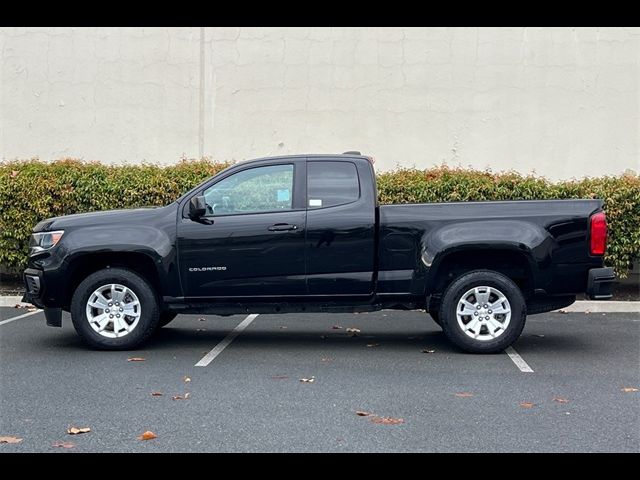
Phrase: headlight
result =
(42, 241)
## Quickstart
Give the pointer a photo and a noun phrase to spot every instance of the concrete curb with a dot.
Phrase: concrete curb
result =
(611, 306)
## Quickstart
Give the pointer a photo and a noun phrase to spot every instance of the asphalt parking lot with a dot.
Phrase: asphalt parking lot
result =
(250, 397)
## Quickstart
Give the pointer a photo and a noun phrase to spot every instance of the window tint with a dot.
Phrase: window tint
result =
(260, 189)
(331, 183)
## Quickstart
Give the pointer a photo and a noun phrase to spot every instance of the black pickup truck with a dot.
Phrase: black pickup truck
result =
(306, 234)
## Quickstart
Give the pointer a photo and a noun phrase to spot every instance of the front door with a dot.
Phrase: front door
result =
(252, 240)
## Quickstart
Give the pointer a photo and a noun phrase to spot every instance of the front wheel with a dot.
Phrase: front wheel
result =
(483, 312)
(114, 309)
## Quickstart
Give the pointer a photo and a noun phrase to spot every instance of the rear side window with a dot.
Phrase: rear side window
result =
(331, 183)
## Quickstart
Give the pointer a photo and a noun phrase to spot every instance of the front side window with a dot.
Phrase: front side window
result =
(331, 183)
(260, 189)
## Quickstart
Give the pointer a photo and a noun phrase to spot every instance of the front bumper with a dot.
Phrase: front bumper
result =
(35, 288)
(600, 283)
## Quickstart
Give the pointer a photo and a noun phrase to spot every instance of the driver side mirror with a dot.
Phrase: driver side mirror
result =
(197, 207)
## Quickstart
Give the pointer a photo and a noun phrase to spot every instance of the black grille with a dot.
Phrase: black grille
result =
(33, 285)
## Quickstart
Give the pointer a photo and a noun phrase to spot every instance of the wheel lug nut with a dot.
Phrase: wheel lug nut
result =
(490, 311)
(110, 316)
(478, 307)
(475, 313)
(118, 315)
(107, 310)
(122, 309)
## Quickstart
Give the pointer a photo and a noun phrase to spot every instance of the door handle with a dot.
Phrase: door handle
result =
(282, 227)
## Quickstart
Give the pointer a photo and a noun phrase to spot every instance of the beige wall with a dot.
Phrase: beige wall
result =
(563, 102)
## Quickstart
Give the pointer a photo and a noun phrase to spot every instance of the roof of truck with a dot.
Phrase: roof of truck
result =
(332, 156)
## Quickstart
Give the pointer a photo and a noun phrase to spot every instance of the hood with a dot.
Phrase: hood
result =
(137, 215)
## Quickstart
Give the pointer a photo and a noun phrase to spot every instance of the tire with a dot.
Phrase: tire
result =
(166, 318)
(135, 295)
(487, 333)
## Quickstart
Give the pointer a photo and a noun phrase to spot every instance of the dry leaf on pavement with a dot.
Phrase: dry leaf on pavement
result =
(148, 435)
(308, 380)
(186, 379)
(201, 319)
(10, 440)
(64, 445)
(387, 420)
(326, 359)
(336, 327)
(136, 359)
(156, 394)
(463, 394)
(560, 400)
(562, 311)
(373, 344)
(426, 350)
(201, 329)
(629, 389)
(181, 397)
(353, 331)
(527, 404)
(539, 335)
(360, 413)
(78, 430)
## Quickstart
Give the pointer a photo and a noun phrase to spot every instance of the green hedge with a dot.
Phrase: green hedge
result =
(32, 190)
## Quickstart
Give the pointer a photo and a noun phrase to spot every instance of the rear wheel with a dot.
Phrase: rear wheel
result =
(114, 309)
(483, 312)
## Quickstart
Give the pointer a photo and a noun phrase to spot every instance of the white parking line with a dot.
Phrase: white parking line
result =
(19, 317)
(217, 350)
(518, 360)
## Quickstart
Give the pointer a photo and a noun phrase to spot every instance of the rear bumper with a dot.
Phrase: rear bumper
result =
(600, 282)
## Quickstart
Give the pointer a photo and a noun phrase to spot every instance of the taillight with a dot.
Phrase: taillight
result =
(598, 234)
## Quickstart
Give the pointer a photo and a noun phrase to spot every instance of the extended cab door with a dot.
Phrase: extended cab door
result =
(341, 226)
(251, 242)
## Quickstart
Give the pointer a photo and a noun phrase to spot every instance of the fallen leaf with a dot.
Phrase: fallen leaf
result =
(539, 335)
(10, 440)
(629, 389)
(562, 311)
(78, 430)
(326, 359)
(282, 327)
(186, 379)
(201, 329)
(527, 404)
(463, 394)
(373, 344)
(387, 420)
(181, 397)
(201, 319)
(428, 351)
(353, 331)
(560, 400)
(31, 309)
(136, 359)
(360, 413)
(308, 380)
(279, 377)
(336, 327)
(157, 394)
(64, 445)
(148, 435)
(587, 311)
